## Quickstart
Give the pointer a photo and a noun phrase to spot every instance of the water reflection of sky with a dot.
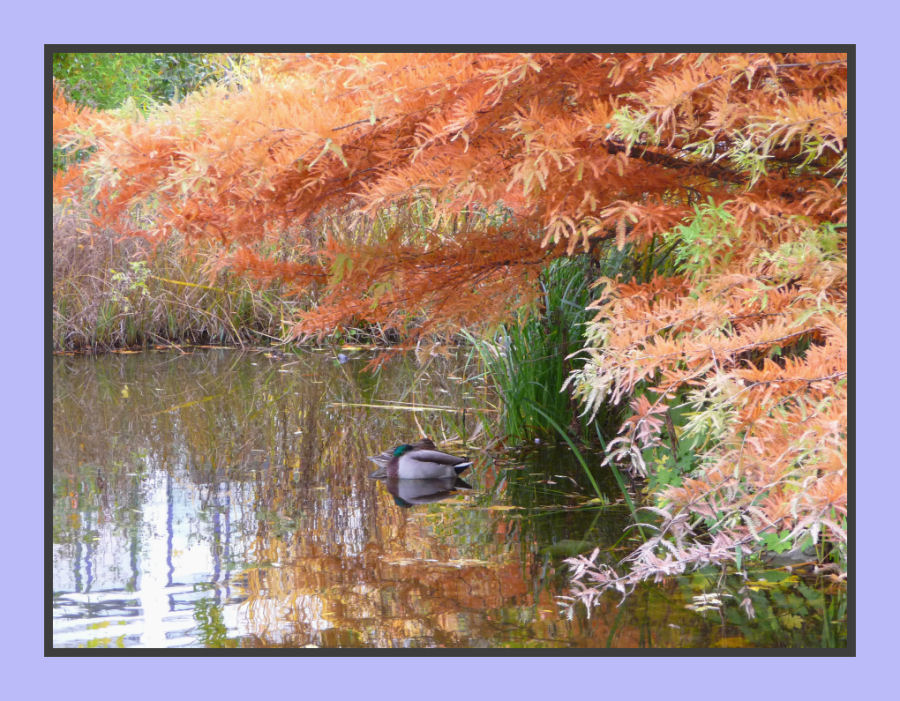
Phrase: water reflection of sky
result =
(143, 585)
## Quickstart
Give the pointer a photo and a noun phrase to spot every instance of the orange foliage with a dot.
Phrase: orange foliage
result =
(577, 145)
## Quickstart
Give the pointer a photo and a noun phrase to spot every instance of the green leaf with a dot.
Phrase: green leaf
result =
(791, 621)
(338, 151)
(341, 263)
(377, 292)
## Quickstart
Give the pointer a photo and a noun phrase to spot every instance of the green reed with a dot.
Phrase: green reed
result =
(528, 360)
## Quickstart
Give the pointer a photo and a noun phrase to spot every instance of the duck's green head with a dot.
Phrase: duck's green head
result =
(401, 449)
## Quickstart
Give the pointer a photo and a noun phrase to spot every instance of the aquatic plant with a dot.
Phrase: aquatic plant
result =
(528, 359)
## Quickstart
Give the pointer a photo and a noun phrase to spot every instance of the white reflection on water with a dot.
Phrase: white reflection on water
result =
(140, 588)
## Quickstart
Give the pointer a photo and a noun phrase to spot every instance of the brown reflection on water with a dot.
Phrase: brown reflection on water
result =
(218, 498)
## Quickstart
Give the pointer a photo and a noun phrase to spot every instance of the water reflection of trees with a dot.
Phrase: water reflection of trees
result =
(259, 462)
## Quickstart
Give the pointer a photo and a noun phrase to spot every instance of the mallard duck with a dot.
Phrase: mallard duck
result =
(409, 462)
(384, 457)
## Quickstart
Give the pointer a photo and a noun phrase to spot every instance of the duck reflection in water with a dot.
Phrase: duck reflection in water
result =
(408, 493)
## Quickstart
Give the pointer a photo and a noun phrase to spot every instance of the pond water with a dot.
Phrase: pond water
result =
(215, 498)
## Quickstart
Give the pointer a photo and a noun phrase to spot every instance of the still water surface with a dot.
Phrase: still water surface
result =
(221, 499)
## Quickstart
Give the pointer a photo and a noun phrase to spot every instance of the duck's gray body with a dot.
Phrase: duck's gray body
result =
(425, 465)
(384, 457)
(409, 462)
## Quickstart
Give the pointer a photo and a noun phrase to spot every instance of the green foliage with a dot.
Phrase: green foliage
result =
(634, 127)
(704, 244)
(666, 467)
(634, 263)
(528, 360)
(132, 282)
(815, 245)
(777, 542)
(211, 627)
(769, 608)
(107, 80)
(749, 157)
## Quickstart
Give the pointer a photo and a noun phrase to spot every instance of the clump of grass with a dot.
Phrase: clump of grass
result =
(530, 359)
(112, 293)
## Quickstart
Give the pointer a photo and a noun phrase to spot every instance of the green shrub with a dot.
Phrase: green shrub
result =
(107, 80)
